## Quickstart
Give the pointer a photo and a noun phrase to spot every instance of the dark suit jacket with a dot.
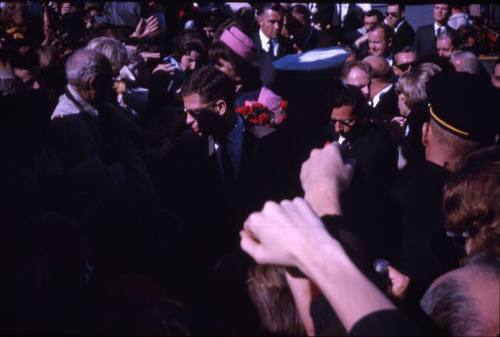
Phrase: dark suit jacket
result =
(425, 40)
(194, 187)
(375, 168)
(403, 37)
(264, 60)
(425, 251)
(386, 108)
(100, 156)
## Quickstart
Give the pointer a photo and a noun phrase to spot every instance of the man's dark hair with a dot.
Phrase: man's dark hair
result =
(350, 95)
(301, 9)
(186, 42)
(377, 13)
(211, 84)
(406, 49)
(388, 31)
(273, 6)
(401, 6)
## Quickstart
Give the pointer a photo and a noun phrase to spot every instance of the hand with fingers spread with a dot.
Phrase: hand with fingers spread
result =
(323, 176)
(146, 28)
(281, 231)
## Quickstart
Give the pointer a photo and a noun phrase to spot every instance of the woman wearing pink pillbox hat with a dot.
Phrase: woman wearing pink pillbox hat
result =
(233, 52)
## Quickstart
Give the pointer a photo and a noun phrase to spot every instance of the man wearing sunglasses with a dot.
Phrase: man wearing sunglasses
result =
(404, 60)
(214, 161)
(404, 34)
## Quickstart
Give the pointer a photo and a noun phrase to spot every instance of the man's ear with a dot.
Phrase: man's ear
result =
(92, 83)
(425, 134)
(259, 20)
(221, 107)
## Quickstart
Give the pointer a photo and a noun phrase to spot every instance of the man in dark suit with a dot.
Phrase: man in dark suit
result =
(383, 97)
(404, 34)
(211, 168)
(375, 167)
(425, 37)
(304, 35)
(268, 41)
(214, 187)
(98, 149)
(451, 133)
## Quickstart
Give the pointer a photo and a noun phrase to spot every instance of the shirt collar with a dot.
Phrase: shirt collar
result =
(398, 25)
(86, 105)
(376, 98)
(265, 40)
(436, 27)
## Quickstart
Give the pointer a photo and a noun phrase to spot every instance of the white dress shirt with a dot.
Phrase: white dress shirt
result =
(265, 43)
(376, 98)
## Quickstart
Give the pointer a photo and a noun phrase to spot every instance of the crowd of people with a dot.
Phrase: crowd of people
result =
(249, 168)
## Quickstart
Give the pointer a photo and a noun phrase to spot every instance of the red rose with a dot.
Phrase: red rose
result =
(283, 104)
(258, 105)
(243, 110)
(264, 119)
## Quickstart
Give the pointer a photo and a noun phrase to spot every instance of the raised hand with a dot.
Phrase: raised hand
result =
(323, 176)
(281, 232)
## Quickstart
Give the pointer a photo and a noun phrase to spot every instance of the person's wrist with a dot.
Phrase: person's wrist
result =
(316, 256)
(324, 201)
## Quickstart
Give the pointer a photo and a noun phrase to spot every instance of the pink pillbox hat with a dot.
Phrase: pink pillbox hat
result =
(269, 99)
(239, 42)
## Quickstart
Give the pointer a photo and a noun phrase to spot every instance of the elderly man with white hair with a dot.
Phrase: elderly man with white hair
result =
(96, 147)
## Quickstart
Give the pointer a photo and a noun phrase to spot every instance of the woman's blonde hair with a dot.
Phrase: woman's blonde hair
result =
(412, 84)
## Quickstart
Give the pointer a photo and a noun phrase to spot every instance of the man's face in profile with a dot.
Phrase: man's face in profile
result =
(359, 78)
(200, 115)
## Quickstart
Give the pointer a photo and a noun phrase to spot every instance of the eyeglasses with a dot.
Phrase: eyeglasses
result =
(405, 66)
(346, 122)
(459, 238)
(391, 14)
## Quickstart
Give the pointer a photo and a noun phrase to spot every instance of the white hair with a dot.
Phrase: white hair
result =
(114, 51)
(85, 64)
(465, 61)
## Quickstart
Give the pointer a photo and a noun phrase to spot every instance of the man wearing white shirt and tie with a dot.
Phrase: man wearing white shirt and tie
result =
(425, 36)
(269, 42)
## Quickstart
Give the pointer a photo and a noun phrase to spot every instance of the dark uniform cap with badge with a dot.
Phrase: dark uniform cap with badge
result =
(464, 104)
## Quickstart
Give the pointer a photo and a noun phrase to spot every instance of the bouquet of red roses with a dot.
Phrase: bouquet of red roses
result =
(258, 114)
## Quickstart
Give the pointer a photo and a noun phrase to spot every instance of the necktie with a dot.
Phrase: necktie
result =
(270, 51)
(439, 30)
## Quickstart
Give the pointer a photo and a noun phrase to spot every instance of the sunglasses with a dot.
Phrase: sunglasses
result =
(346, 122)
(405, 66)
(391, 14)
(201, 111)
